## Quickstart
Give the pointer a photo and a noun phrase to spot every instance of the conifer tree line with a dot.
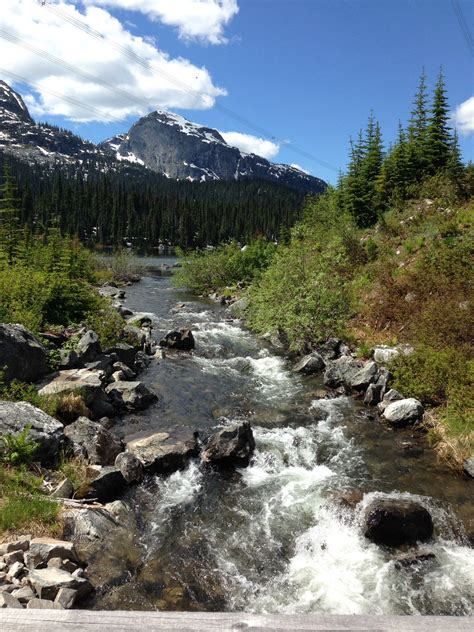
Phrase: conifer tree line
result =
(146, 209)
(377, 179)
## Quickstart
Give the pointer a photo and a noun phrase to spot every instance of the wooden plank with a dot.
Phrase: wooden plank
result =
(121, 621)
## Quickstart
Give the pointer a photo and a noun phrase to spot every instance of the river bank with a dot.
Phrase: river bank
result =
(286, 533)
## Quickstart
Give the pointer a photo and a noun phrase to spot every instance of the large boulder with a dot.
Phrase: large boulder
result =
(107, 485)
(311, 363)
(45, 430)
(130, 396)
(165, 452)
(384, 354)
(404, 412)
(130, 466)
(48, 581)
(232, 446)
(22, 356)
(393, 522)
(83, 382)
(88, 347)
(124, 352)
(181, 339)
(90, 438)
(44, 549)
(350, 373)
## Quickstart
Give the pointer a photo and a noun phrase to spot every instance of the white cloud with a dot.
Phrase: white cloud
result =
(463, 117)
(36, 26)
(296, 166)
(251, 144)
(195, 19)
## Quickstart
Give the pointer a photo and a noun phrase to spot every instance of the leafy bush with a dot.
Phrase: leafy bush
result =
(18, 449)
(431, 375)
(225, 266)
(106, 322)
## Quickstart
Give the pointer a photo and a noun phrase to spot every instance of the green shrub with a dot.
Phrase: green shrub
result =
(18, 449)
(225, 266)
(431, 374)
(106, 322)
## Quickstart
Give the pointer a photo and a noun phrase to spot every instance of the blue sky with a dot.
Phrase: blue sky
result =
(308, 71)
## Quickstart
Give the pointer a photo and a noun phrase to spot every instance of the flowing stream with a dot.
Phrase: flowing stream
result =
(281, 535)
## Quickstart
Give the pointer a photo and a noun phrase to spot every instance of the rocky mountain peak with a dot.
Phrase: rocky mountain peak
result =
(12, 106)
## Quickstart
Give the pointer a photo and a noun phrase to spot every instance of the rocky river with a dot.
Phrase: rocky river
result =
(283, 534)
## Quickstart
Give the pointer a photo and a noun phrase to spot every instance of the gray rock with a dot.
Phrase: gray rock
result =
(239, 307)
(232, 446)
(108, 485)
(330, 350)
(111, 291)
(42, 604)
(469, 466)
(22, 356)
(117, 376)
(66, 598)
(20, 544)
(124, 311)
(311, 363)
(83, 382)
(8, 601)
(394, 522)
(23, 594)
(125, 353)
(16, 569)
(43, 549)
(142, 361)
(65, 489)
(14, 556)
(413, 558)
(165, 452)
(403, 412)
(350, 373)
(45, 430)
(130, 466)
(68, 359)
(126, 371)
(130, 396)
(88, 347)
(373, 394)
(181, 339)
(103, 362)
(140, 319)
(390, 396)
(384, 354)
(101, 446)
(89, 524)
(48, 581)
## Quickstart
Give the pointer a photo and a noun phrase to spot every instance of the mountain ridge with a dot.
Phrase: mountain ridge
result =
(162, 142)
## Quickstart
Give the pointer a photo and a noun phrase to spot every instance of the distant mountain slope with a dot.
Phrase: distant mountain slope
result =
(161, 142)
(169, 144)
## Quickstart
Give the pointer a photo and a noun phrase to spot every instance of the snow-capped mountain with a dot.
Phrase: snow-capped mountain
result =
(171, 145)
(163, 142)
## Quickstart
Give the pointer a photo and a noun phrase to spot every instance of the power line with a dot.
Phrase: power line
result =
(59, 95)
(127, 52)
(463, 25)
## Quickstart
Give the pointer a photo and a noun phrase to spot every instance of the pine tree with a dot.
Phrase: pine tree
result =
(417, 132)
(439, 139)
(9, 217)
(455, 167)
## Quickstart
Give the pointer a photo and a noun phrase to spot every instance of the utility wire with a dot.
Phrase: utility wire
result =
(127, 52)
(463, 25)
(63, 97)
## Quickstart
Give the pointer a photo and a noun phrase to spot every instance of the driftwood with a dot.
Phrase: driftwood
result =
(119, 621)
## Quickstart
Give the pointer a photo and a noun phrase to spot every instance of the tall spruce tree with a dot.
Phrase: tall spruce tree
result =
(439, 138)
(9, 217)
(418, 132)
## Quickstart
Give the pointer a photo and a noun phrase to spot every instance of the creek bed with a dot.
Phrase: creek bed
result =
(279, 536)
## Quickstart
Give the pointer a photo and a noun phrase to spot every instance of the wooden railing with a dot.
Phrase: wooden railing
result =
(136, 621)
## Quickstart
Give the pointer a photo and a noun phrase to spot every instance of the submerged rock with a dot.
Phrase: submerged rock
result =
(393, 522)
(403, 412)
(46, 431)
(232, 446)
(22, 356)
(181, 339)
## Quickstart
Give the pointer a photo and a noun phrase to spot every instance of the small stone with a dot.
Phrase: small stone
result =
(15, 570)
(14, 556)
(23, 594)
(65, 489)
(43, 549)
(42, 604)
(8, 601)
(66, 598)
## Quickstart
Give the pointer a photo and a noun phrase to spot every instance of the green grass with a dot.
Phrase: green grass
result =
(23, 504)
